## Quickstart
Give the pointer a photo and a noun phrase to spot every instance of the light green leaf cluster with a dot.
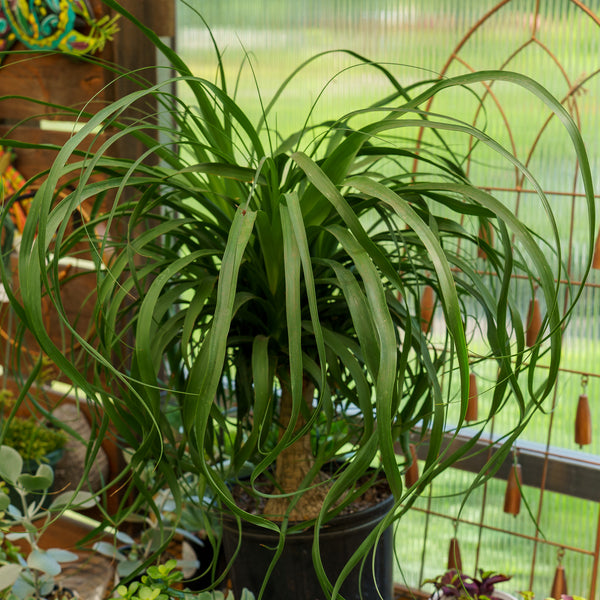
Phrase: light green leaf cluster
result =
(29, 574)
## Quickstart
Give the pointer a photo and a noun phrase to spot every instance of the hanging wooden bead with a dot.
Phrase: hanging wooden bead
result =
(454, 558)
(399, 293)
(559, 585)
(596, 259)
(486, 234)
(427, 307)
(583, 418)
(411, 476)
(512, 497)
(533, 323)
(472, 406)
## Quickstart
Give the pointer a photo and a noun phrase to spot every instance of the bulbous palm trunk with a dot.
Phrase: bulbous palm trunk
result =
(293, 464)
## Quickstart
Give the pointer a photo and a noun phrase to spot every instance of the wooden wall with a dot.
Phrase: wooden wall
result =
(49, 79)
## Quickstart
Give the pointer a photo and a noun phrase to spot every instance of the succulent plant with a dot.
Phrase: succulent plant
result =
(157, 585)
(25, 575)
(31, 439)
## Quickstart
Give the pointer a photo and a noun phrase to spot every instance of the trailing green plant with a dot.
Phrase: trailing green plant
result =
(156, 584)
(152, 534)
(29, 574)
(256, 290)
(160, 583)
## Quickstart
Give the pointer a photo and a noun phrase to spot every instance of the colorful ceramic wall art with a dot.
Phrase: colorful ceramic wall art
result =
(66, 25)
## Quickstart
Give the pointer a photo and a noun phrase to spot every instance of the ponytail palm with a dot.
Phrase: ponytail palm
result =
(258, 298)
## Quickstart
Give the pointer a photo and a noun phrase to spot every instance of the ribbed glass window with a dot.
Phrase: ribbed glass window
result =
(557, 43)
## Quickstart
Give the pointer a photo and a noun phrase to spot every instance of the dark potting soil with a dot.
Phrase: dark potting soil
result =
(247, 499)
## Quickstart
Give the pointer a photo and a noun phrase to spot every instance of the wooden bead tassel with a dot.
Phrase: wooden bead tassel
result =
(534, 322)
(412, 473)
(454, 559)
(512, 497)
(486, 234)
(472, 406)
(559, 585)
(596, 259)
(583, 422)
(427, 306)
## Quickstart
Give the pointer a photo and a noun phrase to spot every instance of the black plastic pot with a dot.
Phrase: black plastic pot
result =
(294, 576)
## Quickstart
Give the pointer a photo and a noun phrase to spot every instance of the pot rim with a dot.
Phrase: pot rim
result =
(356, 520)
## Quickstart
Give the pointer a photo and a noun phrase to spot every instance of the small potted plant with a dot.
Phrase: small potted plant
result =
(455, 584)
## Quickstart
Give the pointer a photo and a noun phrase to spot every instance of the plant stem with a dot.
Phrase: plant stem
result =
(293, 464)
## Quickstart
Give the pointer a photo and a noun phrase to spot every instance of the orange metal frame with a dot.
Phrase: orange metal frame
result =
(575, 88)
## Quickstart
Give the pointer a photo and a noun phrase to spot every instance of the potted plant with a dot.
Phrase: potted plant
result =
(455, 584)
(258, 296)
